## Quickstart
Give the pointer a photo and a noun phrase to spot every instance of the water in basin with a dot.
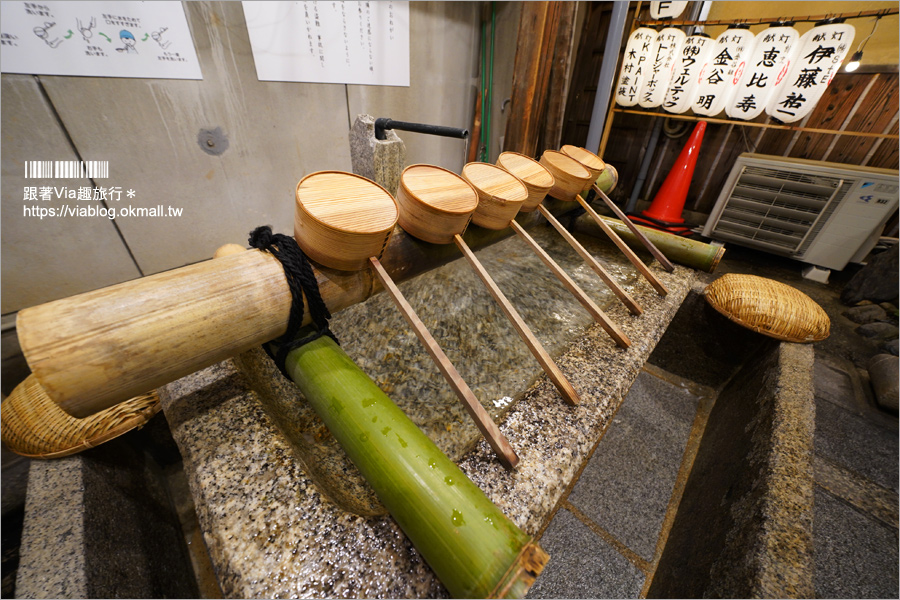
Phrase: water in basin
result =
(473, 332)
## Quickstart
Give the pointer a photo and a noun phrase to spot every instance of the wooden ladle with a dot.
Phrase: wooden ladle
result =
(344, 221)
(436, 205)
(595, 165)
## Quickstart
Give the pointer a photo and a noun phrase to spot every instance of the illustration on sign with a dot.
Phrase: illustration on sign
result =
(98, 39)
(330, 42)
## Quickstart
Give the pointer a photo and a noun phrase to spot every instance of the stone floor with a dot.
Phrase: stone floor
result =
(608, 531)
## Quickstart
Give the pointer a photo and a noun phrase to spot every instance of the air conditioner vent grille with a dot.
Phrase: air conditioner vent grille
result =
(792, 176)
(825, 214)
(775, 208)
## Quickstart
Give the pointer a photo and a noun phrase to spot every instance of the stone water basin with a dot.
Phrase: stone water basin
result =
(283, 511)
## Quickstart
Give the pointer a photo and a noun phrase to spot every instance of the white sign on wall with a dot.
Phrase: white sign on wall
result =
(98, 39)
(666, 10)
(761, 73)
(668, 44)
(330, 42)
(822, 50)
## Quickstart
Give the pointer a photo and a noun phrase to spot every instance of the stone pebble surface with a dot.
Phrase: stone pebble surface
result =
(272, 531)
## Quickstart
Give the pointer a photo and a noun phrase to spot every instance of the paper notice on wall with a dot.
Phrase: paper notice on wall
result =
(97, 39)
(330, 42)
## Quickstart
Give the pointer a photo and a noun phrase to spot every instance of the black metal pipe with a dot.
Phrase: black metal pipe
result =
(383, 123)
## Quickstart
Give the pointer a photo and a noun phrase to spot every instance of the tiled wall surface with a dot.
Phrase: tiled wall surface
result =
(148, 131)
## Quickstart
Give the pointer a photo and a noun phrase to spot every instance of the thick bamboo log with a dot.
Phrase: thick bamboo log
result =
(93, 350)
(690, 253)
(657, 254)
(475, 550)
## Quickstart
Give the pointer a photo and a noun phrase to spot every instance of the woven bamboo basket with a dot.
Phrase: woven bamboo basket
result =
(537, 179)
(435, 204)
(769, 307)
(571, 177)
(590, 161)
(500, 194)
(34, 426)
(342, 219)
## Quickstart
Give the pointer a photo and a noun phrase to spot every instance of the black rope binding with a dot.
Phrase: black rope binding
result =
(301, 280)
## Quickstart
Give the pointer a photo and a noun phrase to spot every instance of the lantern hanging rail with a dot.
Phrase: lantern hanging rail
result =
(888, 136)
(383, 123)
(884, 12)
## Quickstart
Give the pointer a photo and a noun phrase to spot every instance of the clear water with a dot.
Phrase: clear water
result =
(473, 331)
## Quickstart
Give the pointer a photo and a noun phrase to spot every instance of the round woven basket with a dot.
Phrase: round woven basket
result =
(34, 426)
(769, 307)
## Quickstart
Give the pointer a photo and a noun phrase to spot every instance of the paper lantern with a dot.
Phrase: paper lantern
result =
(656, 83)
(666, 10)
(821, 51)
(717, 85)
(639, 53)
(694, 54)
(757, 77)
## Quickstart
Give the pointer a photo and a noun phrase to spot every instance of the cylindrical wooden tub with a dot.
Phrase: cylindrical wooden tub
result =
(342, 219)
(570, 175)
(590, 161)
(537, 179)
(435, 204)
(500, 194)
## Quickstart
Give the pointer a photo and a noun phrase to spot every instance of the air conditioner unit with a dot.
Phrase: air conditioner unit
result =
(825, 214)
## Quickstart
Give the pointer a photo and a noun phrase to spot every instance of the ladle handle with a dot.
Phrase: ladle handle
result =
(599, 316)
(486, 425)
(556, 376)
(628, 252)
(656, 252)
(626, 299)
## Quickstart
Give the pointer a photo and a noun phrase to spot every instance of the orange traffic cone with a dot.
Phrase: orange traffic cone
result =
(665, 210)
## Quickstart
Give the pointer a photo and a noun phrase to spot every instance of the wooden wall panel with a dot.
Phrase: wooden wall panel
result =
(830, 113)
(887, 156)
(883, 95)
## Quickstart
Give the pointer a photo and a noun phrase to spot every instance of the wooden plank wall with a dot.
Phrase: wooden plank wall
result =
(863, 102)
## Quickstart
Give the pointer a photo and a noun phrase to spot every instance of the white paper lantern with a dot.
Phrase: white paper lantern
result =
(666, 10)
(760, 74)
(694, 54)
(639, 53)
(821, 51)
(656, 83)
(717, 85)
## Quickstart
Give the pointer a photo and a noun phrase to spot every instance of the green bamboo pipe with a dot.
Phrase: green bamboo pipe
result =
(690, 253)
(474, 549)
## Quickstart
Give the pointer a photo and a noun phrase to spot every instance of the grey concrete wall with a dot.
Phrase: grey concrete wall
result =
(276, 133)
